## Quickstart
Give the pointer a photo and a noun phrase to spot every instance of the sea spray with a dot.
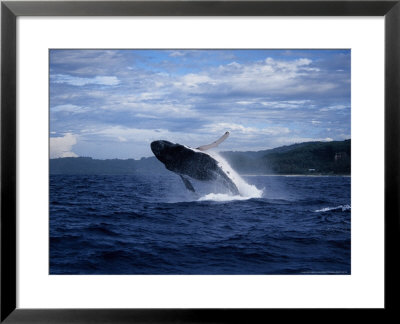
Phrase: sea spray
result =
(221, 197)
(246, 190)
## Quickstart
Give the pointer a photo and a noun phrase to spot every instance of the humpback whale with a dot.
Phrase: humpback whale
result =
(192, 162)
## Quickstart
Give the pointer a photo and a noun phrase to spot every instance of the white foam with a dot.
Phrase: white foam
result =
(246, 190)
(341, 207)
(221, 197)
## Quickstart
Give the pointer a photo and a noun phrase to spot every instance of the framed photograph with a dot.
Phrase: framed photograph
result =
(191, 161)
(117, 166)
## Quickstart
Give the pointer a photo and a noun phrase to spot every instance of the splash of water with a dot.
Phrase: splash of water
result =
(246, 190)
(221, 197)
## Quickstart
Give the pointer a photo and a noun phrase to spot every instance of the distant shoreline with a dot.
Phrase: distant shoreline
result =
(311, 159)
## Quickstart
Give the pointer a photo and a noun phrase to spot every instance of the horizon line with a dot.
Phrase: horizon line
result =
(147, 157)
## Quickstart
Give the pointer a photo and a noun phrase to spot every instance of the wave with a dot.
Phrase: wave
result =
(343, 208)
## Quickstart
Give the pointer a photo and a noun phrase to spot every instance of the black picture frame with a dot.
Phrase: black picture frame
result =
(10, 10)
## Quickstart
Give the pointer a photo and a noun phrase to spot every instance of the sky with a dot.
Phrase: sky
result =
(109, 104)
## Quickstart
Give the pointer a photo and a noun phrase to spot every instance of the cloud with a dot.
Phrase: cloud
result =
(277, 78)
(335, 107)
(78, 81)
(240, 129)
(62, 146)
(69, 108)
(176, 53)
(194, 80)
(119, 133)
(117, 101)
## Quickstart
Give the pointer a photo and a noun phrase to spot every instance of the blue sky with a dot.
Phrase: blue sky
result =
(113, 103)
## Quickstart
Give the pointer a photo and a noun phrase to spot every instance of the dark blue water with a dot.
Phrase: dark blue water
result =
(153, 225)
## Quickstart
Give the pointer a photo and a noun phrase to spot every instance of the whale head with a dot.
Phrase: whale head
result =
(164, 151)
(176, 157)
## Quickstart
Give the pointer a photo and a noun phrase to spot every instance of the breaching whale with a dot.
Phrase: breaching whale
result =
(194, 163)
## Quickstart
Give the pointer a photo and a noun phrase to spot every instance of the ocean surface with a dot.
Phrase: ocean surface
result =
(150, 224)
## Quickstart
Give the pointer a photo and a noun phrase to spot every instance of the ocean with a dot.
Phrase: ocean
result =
(150, 224)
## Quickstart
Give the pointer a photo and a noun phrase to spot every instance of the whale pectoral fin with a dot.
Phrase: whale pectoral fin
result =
(214, 144)
(187, 183)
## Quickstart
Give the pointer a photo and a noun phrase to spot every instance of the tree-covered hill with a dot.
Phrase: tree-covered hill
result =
(304, 158)
(87, 165)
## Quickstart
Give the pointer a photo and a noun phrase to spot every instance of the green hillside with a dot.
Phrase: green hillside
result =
(305, 158)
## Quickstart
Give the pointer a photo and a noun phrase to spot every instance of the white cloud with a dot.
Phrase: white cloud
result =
(137, 136)
(127, 134)
(151, 109)
(246, 102)
(69, 108)
(335, 107)
(275, 77)
(194, 80)
(264, 102)
(62, 146)
(286, 103)
(235, 129)
(78, 81)
(176, 53)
